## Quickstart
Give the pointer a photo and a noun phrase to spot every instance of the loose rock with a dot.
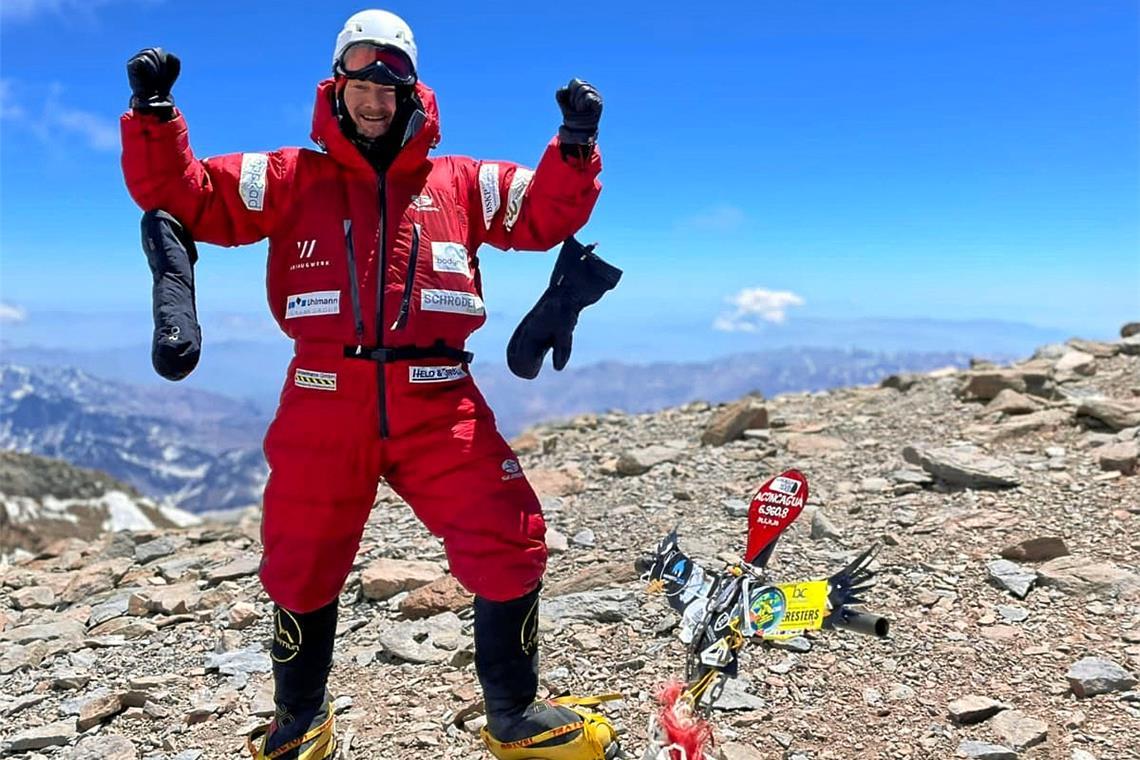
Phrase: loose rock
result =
(1040, 549)
(1011, 577)
(972, 709)
(1018, 730)
(1091, 676)
(731, 422)
(963, 466)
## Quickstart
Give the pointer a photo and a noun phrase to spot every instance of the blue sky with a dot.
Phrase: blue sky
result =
(766, 163)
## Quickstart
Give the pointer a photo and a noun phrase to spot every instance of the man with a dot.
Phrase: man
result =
(372, 271)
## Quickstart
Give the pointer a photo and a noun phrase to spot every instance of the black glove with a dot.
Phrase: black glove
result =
(152, 72)
(579, 279)
(581, 105)
(170, 251)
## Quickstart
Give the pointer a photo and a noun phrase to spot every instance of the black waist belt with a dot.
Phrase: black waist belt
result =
(383, 355)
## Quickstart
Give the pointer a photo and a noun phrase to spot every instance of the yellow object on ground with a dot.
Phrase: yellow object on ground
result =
(592, 737)
(318, 743)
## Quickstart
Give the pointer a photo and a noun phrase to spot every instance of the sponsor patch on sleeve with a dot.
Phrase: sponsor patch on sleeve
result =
(443, 374)
(489, 191)
(512, 470)
(321, 381)
(252, 183)
(452, 302)
(519, 184)
(450, 257)
(312, 304)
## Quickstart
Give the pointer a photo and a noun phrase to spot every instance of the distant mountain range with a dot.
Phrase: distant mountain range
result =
(650, 387)
(675, 359)
(191, 449)
(201, 451)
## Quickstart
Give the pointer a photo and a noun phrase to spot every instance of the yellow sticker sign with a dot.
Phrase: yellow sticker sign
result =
(805, 607)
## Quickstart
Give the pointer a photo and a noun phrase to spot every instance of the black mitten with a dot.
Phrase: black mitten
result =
(580, 278)
(170, 251)
(151, 73)
(581, 105)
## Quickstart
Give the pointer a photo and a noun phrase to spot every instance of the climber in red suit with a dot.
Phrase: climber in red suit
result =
(373, 273)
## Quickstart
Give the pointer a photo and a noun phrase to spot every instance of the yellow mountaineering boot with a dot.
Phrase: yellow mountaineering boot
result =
(283, 739)
(558, 729)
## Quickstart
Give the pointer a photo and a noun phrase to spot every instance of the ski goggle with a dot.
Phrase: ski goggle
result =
(376, 63)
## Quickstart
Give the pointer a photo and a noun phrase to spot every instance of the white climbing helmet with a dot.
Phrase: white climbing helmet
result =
(378, 46)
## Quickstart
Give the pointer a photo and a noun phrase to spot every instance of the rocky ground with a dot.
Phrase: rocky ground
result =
(1005, 501)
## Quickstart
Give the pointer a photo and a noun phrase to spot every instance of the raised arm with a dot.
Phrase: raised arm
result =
(536, 210)
(227, 200)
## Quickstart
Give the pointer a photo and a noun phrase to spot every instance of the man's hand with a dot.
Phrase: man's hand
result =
(581, 105)
(151, 73)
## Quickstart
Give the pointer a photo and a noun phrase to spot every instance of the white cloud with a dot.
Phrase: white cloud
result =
(53, 119)
(716, 219)
(754, 306)
(98, 132)
(12, 315)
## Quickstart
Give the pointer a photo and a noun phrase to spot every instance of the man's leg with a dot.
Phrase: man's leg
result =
(324, 468)
(466, 485)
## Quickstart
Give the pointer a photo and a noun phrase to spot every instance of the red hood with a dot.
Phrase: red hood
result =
(326, 133)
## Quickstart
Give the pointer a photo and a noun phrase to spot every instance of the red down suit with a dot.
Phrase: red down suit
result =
(368, 260)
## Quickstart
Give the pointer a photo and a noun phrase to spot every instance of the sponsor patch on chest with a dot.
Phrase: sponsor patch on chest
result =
(450, 257)
(252, 182)
(321, 381)
(436, 374)
(312, 304)
(452, 302)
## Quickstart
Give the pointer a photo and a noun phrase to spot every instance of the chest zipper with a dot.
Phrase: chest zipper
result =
(381, 281)
(353, 284)
(409, 281)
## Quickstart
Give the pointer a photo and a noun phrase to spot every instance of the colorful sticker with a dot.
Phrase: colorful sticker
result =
(766, 610)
